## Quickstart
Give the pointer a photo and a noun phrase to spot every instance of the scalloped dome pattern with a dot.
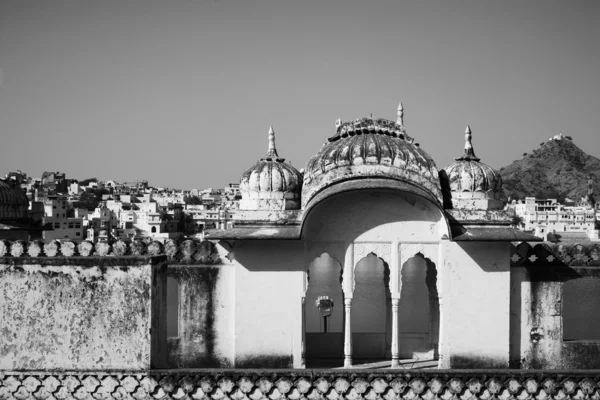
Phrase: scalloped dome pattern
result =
(370, 148)
(271, 184)
(267, 176)
(13, 202)
(473, 176)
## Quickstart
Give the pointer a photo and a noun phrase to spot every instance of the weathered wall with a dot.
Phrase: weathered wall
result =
(206, 313)
(82, 313)
(537, 328)
(476, 313)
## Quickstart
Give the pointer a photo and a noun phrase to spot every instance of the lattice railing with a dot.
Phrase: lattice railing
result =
(304, 384)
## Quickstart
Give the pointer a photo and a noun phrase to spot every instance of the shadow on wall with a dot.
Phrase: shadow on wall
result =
(271, 255)
(489, 259)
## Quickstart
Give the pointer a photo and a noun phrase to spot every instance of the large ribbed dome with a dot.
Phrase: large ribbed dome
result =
(13, 202)
(471, 183)
(271, 183)
(371, 148)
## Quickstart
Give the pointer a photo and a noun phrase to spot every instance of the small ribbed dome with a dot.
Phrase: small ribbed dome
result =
(468, 180)
(13, 202)
(271, 183)
(371, 148)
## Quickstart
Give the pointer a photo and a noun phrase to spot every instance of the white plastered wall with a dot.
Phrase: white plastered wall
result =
(269, 286)
(476, 318)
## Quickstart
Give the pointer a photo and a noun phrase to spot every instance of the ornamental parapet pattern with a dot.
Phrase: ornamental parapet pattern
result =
(185, 252)
(555, 254)
(303, 384)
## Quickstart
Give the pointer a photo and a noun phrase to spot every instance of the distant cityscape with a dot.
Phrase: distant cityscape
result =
(63, 208)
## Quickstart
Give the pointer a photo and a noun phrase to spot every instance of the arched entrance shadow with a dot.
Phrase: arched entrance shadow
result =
(419, 310)
(371, 310)
(324, 337)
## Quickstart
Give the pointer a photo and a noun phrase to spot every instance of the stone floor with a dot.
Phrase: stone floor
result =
(372, 364)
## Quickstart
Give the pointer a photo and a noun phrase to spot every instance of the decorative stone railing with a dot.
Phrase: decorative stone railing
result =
(557, 254)
(192, 251)
(303, 384)
(186, 251)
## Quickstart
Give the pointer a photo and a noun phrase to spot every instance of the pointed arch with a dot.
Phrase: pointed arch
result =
(419, 309)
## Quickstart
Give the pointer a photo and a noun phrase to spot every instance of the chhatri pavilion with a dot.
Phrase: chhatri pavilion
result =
(369, 257)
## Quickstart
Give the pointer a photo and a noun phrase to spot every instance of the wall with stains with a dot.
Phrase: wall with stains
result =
(82, 313)
(538, 317)
(476, 305)
(206, 314)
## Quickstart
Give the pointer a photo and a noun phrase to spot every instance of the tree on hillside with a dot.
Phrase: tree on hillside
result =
(517, 221)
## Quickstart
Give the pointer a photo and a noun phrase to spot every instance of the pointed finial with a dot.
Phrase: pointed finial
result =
(338, 123)
(272, 151)
(400, 120)
(469, 152)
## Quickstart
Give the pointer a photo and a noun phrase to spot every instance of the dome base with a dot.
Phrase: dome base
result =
(269, 204)
(477, 204)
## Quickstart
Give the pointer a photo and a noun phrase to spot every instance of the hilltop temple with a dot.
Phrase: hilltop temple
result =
(368, 257)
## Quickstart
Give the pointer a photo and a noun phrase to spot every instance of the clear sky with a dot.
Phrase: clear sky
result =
(182, 92)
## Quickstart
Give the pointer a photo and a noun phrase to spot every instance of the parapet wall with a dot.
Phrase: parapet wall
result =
(303, 384)
(83, 313)
(181, 252)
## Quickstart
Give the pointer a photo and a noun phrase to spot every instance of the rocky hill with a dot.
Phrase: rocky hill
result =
(557, 169)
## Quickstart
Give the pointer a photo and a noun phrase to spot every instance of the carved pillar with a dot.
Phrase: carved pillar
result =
(348, 334)
(348, 288)
(395, 344)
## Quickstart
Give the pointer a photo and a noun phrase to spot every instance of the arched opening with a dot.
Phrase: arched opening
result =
(153, 229)
(324, 328)
(371, 310)
(418, 310)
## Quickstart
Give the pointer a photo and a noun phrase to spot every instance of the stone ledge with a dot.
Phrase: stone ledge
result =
(303, 384)
(187, 251)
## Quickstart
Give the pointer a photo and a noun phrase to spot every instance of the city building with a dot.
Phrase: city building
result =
(59, 220)
(54, 183)
(545, 216)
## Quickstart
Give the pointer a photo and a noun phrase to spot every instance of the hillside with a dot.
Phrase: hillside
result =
(557, 169)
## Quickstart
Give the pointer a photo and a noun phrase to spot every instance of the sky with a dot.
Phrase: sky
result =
(182, 92)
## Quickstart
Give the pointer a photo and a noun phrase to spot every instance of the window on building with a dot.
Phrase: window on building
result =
(77, 225)
(581, 306)
(57, 225)
(70, 225)
(77, 233)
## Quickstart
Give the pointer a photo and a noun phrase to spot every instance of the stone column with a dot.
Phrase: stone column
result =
(348, 288)
(348, 334)
(395, 344)
(395, 289)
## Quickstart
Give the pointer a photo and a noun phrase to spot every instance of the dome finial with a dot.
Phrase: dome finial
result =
(400, 120)
(272, 151)
(469, 152)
